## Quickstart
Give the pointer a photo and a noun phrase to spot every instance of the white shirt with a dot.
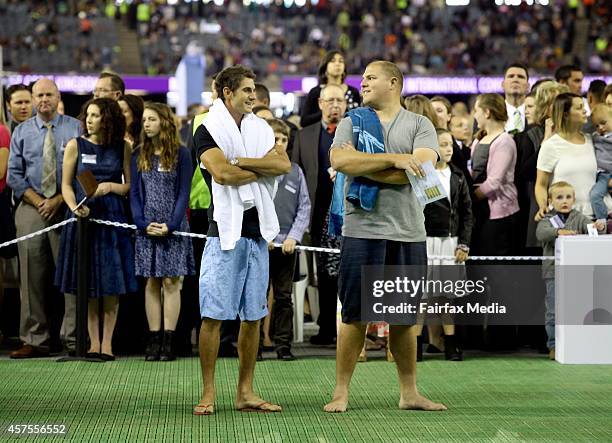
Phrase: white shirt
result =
(510, 126)
(571, 163)
(445, 178)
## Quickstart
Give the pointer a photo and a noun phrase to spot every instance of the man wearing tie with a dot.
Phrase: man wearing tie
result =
(516, 86)
(311, 152)
(34, 174)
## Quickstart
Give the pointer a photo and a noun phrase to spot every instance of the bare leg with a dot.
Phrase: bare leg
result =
(93, 325)
(172, 302)
(403, 348)
(209, 347)
(111, 309)
(351, 337)
(248, 342)
(153, 306)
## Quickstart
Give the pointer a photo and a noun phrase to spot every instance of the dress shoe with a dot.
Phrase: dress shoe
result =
(29, 351)
(107, 357)
(322, 340)
(285, 354)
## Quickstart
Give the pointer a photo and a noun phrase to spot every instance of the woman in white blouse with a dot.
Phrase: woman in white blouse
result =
(567, 156)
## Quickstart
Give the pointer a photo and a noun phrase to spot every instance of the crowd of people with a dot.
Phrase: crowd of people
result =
(424, 37)
(249, 180)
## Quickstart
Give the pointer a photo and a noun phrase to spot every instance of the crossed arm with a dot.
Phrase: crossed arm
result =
(272, 164)
(383, 168)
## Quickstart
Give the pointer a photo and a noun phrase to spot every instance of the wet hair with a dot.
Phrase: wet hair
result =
(231, 78)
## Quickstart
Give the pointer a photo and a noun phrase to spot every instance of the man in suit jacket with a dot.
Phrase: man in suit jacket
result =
(311, 152)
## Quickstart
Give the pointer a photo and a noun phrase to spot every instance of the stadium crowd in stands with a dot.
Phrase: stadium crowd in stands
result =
(425, 37)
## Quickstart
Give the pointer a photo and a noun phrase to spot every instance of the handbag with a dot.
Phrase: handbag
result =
(7, 224)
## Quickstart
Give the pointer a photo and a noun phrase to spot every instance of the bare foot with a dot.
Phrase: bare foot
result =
(417, 401)
(204, 409)
(206, 405)
(339, 403)
(256, 404)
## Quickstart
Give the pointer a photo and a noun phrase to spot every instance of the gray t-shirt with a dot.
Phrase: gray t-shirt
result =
(397, 215)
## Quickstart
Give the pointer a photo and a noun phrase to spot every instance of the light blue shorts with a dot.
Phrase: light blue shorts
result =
(234, 282)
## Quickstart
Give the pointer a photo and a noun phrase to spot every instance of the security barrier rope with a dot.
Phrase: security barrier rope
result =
(277, 245)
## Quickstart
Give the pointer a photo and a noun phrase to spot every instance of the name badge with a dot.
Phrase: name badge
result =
(557, 222)
(290, 189)
(160, 169)
(89, 158)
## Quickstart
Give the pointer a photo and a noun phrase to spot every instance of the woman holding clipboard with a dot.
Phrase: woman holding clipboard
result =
(102, 151)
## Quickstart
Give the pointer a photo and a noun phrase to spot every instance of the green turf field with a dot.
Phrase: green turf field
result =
(505, 399)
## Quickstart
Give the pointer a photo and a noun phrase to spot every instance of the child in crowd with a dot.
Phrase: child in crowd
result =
(561, 220)
(161, 174)
(602, 141)
(292, 205)
(448, 223)
(102, 151)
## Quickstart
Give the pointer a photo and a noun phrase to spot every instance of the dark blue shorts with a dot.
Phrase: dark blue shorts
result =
(358, 252)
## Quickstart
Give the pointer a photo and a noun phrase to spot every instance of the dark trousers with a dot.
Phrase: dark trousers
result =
(282, 268)
(328, 302)
(493, 237)
(189, 317)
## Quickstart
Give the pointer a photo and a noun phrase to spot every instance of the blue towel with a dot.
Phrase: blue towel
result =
(368, 132)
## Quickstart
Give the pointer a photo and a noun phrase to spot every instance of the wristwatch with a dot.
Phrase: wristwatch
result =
(234, 162)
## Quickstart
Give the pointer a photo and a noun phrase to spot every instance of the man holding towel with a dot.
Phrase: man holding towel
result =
(388, 229)
(237, 150)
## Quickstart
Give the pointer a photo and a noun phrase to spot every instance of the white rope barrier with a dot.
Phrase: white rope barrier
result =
(276, 245)
(37, 233)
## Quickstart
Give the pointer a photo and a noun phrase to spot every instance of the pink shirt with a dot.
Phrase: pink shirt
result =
(499, 186)
(5, 142)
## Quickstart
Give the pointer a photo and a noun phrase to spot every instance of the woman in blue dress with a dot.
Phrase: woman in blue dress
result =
(161, 171)
(102, 151)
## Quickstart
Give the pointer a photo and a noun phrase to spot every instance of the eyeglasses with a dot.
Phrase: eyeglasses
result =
(102, 91)
(330, 101)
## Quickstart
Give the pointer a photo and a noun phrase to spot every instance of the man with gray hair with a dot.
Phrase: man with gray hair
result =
(35, 174)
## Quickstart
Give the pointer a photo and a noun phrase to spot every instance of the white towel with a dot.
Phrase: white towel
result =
(254, 139)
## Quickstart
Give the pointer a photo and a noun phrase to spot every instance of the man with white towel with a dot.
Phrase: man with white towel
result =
(237, 149)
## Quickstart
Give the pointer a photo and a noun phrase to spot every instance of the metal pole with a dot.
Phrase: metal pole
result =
(82, 286)
(82, 294)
